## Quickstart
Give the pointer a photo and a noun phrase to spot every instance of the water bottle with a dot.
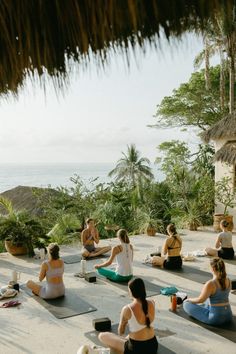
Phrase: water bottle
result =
(173, 302)
(83, 266)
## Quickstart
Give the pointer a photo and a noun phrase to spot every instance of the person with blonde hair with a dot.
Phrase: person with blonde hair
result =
(123, 253)
(216, 310)
(52, 270)
(139, 316)
(223, 246)
(171, 248)
(90, 237)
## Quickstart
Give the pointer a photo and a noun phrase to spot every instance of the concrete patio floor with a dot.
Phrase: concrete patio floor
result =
(31, 329)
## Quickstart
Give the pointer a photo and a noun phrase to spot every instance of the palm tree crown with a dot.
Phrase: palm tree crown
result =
(132, 168)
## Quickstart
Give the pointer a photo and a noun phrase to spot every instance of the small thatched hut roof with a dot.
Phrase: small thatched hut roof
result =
(45, 36)
(224, 129)
(227, 153)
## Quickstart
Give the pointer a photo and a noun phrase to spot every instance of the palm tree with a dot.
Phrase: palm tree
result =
(132, 168)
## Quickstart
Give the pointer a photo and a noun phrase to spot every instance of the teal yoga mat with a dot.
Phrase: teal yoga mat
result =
(67, 306)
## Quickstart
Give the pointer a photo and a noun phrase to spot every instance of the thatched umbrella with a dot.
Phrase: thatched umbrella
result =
(42, 36)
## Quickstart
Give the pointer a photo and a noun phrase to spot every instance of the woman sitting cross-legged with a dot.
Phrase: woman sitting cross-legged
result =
(217, 310)
(172, 248)
(124, 258)
(223, 247)
(139, 315)
(53, 270)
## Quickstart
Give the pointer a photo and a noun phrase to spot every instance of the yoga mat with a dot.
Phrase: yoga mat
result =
(227, 331)
(187, 272)
(67, 306)
(76, 258)
(93, 337)
(151, 288)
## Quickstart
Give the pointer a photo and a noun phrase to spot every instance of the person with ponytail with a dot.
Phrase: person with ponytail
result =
(172, 248)
(223, 246)
(123, 253)
(53, 270)
(139, 316)
(216, 310)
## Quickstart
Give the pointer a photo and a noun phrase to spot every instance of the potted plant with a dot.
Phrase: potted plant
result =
(225, 194)
(148, 224)
(20, 231)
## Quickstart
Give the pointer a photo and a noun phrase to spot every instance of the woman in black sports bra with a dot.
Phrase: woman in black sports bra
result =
(172, 248)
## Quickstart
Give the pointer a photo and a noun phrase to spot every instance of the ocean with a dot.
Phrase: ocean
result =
(56, 175)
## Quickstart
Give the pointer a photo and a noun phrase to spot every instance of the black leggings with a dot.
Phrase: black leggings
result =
(226, 253)
(173, 263)
(149, 346)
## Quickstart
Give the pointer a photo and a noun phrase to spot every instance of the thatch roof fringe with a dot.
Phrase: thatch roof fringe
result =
(40, 35)
(224, 129)
(227, 153)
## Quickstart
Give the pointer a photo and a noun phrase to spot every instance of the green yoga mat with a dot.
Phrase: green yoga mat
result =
(67, 306)
(93, 337)
(227, 331)
(151, 288)
(187, 272)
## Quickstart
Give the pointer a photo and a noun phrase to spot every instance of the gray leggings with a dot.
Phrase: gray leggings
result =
(52, 291)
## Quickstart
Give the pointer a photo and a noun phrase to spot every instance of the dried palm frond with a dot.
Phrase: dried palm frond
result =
(43, 36)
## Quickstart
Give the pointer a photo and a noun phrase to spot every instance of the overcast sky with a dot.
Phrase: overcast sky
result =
(100, 113)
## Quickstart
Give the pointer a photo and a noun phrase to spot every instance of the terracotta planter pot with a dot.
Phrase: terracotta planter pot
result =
(217, 220)
(151, 231)
(15, 250)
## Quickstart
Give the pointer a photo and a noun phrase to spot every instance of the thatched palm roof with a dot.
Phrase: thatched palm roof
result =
(38, 36)
(224, 129)
(227, 153)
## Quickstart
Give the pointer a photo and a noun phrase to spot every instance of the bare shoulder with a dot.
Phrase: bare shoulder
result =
(117, 249)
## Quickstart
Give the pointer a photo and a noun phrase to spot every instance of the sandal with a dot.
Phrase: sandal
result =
(10, 304)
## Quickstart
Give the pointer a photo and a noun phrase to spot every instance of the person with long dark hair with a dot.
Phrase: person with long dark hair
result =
(223, 246)
(139, 316)
(217, 309)
(123, 253)
(172, 249)
(52, 270)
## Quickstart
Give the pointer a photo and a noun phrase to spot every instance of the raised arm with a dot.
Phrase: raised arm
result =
(95, 236)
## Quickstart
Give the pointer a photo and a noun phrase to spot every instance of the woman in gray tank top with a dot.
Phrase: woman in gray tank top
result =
(52, 270)
(223, 246)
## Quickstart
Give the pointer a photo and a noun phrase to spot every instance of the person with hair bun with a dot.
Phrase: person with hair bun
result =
(217, 310)
(172, 248)
(139, 316)
(223, 246)
(53, 270)
(123, 253)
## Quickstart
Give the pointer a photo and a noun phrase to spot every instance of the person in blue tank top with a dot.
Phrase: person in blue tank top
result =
(139, 316)
(214, 297)
(123, 253)
(52, 270)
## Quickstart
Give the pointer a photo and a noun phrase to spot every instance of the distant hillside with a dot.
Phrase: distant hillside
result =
(23, 197)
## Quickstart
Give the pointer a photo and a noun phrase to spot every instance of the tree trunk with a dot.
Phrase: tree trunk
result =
(222, 80)
(207, 64)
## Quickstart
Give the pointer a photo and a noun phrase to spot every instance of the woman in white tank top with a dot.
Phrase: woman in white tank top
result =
(123, 254)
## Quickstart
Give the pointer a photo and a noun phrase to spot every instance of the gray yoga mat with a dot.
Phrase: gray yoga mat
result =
(93, 337)
(227, 331)
(187, 272)
(67, 306)
(151, 288)
(76, 258)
